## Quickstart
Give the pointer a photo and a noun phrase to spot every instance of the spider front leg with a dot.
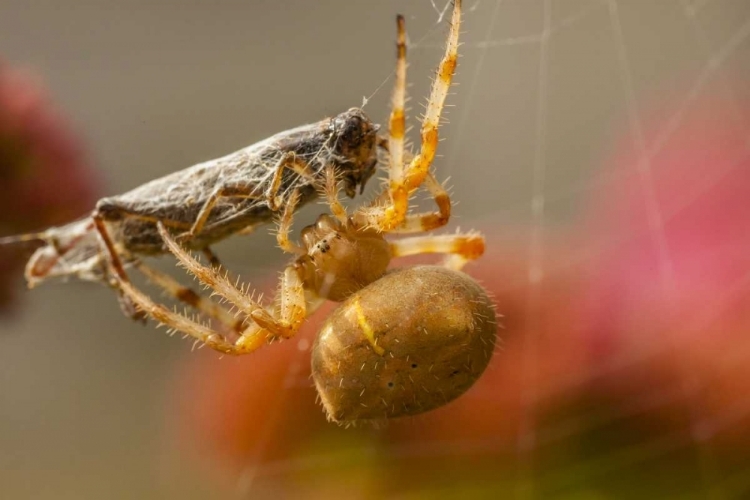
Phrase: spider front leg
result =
(403, 181)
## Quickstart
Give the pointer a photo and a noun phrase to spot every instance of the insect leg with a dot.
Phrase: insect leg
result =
(119, 276)
(211, 257)
(115, 262)
(245, 191)
(288, 161)
(461, 248)
(117, 271)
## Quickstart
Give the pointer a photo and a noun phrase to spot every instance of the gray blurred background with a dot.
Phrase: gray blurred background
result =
(159, 85)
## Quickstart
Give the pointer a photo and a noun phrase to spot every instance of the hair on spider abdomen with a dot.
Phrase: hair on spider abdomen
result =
(411, 341)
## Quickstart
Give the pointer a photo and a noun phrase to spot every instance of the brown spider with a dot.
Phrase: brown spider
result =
(341, 253)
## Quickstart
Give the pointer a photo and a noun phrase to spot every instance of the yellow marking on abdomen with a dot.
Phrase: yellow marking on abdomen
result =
(366, 328)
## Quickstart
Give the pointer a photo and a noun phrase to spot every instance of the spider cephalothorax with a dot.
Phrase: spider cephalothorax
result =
(341, 258)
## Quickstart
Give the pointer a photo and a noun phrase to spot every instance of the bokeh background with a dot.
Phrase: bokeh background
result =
(602, 147)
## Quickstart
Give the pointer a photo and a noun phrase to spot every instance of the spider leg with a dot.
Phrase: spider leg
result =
(290, 307)
(285, 225)
(190, 297)
(397, 121)
(394, 144)
(427, 221)
(331, 192)
(420, 164)
(285, 222)
(289, 311)
(403, 181)
(460, 248)
(150, 308)
(179, 322)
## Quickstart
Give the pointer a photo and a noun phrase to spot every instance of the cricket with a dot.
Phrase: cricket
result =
(211, 200)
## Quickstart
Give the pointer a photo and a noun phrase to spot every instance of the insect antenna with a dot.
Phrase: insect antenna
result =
(24, 238)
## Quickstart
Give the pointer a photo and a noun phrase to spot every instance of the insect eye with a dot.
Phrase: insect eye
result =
(352, 132)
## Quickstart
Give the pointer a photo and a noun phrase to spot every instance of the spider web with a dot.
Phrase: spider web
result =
(607, 465)
(559, 127)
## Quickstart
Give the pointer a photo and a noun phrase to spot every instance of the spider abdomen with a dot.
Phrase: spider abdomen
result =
(410, 342)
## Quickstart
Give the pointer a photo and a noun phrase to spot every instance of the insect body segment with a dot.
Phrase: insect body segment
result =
(215, 199)
(212, 200)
